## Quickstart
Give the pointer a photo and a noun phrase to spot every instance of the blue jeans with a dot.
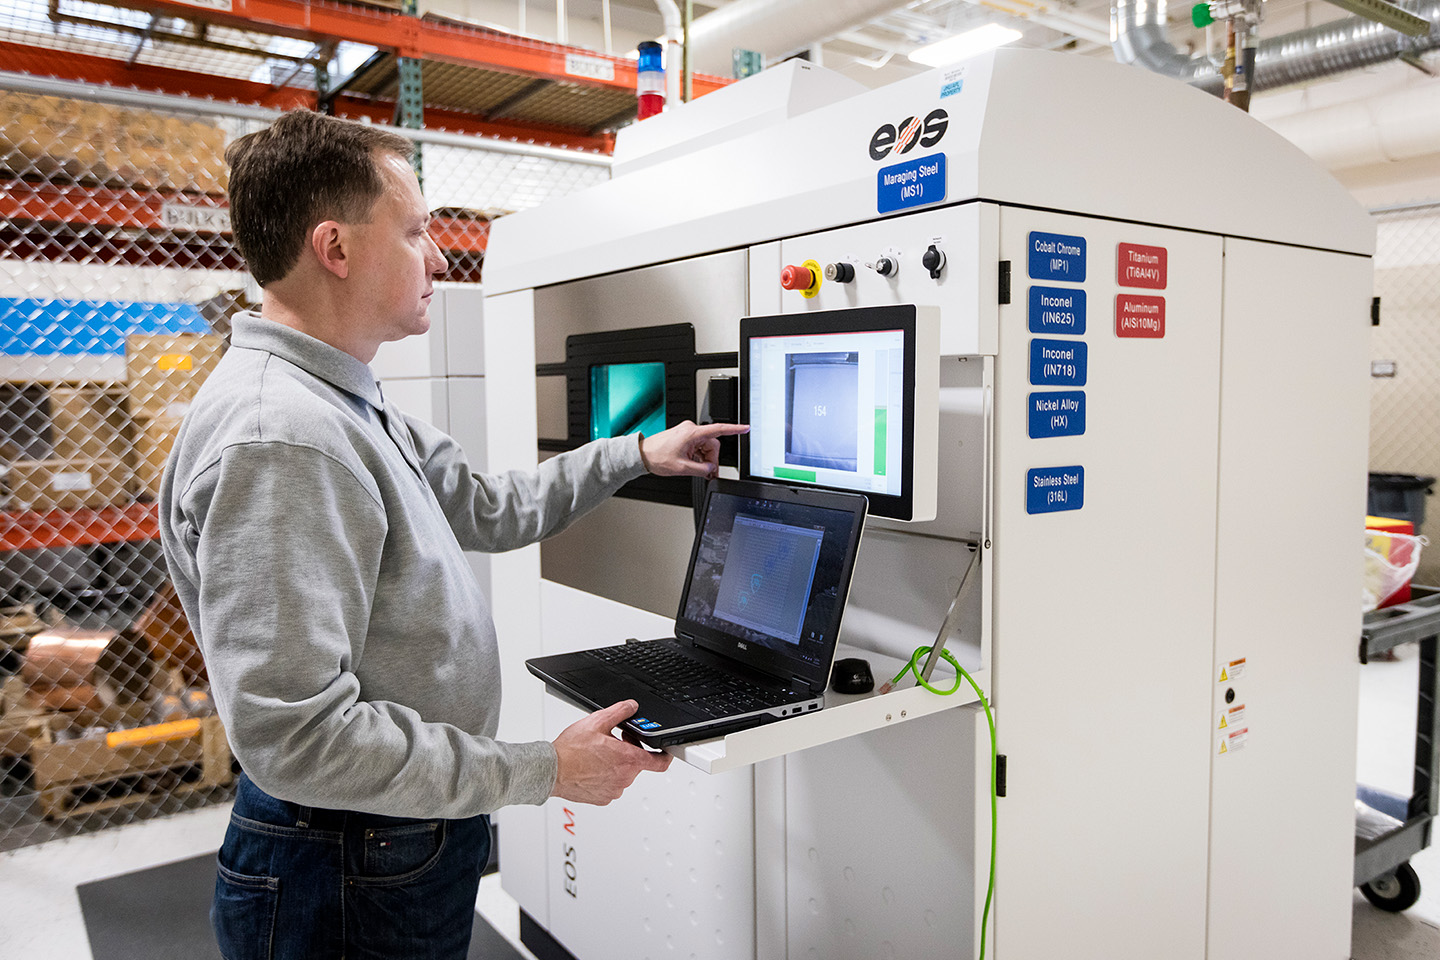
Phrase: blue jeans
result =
(300, 882)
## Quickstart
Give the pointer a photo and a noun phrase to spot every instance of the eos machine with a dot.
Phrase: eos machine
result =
(1094, 345)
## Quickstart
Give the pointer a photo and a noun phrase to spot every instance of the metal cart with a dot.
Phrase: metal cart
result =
(1399, 828)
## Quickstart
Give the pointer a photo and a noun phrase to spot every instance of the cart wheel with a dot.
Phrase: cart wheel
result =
(1394, 892)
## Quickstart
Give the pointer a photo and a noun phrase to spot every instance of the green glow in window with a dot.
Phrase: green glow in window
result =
(627, 398)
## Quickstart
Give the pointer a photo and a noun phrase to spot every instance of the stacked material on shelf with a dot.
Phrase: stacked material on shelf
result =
(103, 145)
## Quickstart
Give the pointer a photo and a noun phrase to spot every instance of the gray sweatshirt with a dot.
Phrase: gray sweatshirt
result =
(315, 535)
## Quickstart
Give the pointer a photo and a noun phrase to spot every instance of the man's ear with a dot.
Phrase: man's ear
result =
(328, 240)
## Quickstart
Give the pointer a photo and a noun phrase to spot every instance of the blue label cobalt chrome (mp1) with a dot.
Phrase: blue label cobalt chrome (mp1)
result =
(1052, 489)
(910, 184)
(1056, 256)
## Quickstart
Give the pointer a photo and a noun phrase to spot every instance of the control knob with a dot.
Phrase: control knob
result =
(885, 266)
(933, 260)
(840, 272)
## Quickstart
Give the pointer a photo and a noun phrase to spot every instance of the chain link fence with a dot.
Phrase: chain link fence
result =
(1405, 403)
(118, 279)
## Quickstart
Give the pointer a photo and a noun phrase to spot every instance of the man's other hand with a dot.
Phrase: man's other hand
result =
(595, 765)
(687, 450)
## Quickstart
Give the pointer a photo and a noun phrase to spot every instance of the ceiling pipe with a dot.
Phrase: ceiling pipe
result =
(775, 28)
(674, 50)
(1138, 28)
(1395, 126)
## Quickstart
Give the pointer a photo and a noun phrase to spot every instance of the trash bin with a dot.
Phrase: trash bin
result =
(1399, 495)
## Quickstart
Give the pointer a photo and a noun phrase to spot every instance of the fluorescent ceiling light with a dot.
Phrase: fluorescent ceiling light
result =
(963, 45)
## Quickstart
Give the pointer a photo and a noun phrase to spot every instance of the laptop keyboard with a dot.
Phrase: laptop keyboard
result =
(680, 679)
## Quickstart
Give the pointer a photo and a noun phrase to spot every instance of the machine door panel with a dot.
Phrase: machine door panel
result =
(1104, 572)
(633, 550)
(1296, 325)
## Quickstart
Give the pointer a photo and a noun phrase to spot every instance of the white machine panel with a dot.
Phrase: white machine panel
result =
(882, 855)
(1104, 679)
(1292, 666)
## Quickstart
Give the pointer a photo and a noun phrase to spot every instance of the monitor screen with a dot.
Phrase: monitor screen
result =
(831, 399)
(771, 569)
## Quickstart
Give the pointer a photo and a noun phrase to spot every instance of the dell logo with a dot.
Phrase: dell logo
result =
(911, 131)
(741, 645)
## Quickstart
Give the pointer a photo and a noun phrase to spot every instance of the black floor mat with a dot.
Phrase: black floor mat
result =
(164, 914)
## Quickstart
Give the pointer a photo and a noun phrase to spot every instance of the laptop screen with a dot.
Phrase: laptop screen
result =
(770, 573)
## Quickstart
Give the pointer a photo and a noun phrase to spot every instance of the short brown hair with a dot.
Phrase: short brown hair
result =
(303, 169)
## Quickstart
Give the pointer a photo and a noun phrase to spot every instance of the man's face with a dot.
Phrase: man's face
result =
(395, 261)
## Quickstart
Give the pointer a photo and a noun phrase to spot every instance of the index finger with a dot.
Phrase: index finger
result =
(706, 431)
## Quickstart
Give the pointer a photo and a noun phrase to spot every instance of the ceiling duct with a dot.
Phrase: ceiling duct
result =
(774, 27)
(1139, 30)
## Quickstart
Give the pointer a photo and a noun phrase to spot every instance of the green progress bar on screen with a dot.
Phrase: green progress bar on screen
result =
(880, 417)
(790, 473)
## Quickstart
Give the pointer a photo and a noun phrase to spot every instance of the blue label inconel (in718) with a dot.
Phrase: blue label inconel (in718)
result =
(1052, 489)
(1058, 363)
(1055, 256)
(910, 184)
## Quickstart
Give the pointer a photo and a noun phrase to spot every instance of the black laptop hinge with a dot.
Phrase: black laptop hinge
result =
(1000, 775)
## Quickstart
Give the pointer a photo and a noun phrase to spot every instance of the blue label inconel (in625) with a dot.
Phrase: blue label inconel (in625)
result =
(1058, 363)
(910, 184)
(1057, 413)
(1056, 256)
(1057, 310)
(1052, 489)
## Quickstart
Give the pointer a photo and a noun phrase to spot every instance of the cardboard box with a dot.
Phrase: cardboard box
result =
(164, 370)
(90, 423)
(42, 485)
(154, 439)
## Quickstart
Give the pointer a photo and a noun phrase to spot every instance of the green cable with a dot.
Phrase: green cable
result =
(913, 667)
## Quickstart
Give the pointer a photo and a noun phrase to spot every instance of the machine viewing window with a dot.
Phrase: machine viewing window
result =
(627, 398)
(833, 398)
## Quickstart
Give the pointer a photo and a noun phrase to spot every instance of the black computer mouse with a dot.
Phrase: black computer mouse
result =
(852, 675)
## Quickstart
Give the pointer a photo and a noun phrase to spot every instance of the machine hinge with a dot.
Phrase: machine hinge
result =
(1004, 281)
(1374, 311)
(1000, 775)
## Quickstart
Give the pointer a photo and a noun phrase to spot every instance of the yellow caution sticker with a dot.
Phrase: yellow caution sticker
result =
(1223, 675)
(1222, 721)
(1222, 747)
(175, 361)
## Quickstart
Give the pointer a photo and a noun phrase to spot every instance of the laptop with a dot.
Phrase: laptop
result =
(758, 623)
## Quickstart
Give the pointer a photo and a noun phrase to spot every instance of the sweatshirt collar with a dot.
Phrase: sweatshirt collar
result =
(331, 364)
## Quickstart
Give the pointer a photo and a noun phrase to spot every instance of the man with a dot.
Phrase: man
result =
(315, 534)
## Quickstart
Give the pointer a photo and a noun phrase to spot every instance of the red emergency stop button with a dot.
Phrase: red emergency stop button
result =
(805, 278)
(797, 278)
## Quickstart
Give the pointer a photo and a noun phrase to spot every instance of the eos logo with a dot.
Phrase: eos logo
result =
(911, 131)
(568, 849)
